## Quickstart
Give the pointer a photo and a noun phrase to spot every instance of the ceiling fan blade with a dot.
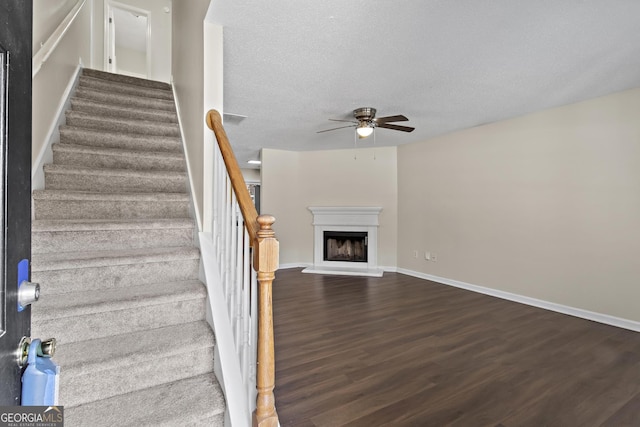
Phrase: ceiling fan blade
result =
(348, 121)
(396, 127)
(341, 127)
(398, 118)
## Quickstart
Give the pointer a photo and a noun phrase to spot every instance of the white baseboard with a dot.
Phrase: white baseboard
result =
(310, 264)
(293, 265)
(572, 311)
(45, 155)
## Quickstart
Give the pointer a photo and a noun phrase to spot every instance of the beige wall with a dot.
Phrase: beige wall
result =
(160, 23)
(57, 72)
(188, 76)
(293, 181)
(252, 175)
(47, 14)
(546, 206)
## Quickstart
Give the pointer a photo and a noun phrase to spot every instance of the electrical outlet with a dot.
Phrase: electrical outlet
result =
(415, 254)
(427, 256)
(434, 257)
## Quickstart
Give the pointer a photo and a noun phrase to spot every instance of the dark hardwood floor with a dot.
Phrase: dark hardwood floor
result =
(401, 351)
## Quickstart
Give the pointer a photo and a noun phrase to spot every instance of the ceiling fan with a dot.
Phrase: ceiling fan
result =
(366, 122)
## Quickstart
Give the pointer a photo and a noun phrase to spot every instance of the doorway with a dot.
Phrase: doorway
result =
(127, 40)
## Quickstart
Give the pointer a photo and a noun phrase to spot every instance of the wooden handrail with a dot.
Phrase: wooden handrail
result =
(248, 209)
(265, 263)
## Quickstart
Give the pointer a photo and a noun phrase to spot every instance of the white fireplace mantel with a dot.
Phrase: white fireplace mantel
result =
(347, 218)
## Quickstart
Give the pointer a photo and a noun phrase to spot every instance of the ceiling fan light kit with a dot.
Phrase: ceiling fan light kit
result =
(364, 130)
(366, 122)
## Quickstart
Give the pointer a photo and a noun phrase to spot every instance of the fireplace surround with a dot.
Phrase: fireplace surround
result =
(353, 234)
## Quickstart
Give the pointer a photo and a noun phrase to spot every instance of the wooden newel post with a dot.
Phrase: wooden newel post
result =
(265, 262)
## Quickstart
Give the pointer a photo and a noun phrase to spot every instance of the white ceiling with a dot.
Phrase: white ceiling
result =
(290, 65)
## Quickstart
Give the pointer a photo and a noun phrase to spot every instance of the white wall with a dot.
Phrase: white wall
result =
(293, 181)
(131, 62)
(188, 80)
(160, 22)
(56, 74)
(546, 206)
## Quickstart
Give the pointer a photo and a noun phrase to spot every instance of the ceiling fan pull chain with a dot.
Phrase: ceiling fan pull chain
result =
(374, 143)
(355, 146)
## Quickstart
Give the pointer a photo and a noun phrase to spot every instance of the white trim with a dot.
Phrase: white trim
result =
(349, 219)
(109, 5)
(341, 271)
(231, 380)
(547, 305)
(47, 48)
(390, 269)
(293, 265)
(196, 207)
(46, 154)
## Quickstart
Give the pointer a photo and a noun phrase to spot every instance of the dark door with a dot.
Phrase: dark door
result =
(15, 184)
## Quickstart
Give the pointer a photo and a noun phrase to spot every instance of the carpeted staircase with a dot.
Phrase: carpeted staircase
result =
(113, 250)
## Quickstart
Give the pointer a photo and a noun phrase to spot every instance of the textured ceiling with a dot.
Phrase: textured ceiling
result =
(290, 65)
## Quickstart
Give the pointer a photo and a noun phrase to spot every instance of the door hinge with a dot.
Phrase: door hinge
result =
(110, 20)
(109, 60)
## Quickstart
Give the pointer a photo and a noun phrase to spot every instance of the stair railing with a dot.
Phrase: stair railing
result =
(239, 237)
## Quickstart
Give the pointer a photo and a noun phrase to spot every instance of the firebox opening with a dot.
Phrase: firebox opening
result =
(345, 246)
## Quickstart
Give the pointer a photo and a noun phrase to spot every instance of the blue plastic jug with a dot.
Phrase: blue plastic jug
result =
(40, 379)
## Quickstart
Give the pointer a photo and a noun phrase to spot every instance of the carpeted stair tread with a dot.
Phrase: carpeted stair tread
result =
(116, 158)
(65, 204)
(91, 235)
(112, 139)
(122, 125)
(113, 249)
(131, 298)
(93, 313)
(113, 224)
(113, 276)
(196, 401)
(124, 88)
(132, 361)
(99, 354)
(109, 98)
(99, 108)
(68, 195)
(86, 259)
(65, 177)
(111, 77)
